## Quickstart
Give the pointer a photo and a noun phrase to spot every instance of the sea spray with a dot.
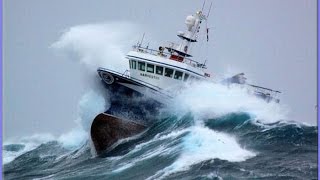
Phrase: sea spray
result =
(94, 45)
(209, 100)
(99, 45)
(90, 105)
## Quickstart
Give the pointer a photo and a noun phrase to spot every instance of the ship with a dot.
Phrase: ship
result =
(156, 75)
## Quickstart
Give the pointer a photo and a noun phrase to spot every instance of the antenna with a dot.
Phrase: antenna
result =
(207, 29)
(204, 3)
(142, 39)
(209, 10)
(204, 64)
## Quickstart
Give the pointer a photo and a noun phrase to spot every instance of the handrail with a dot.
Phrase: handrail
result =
(157, 52)
(151, 51)
(259, 87)
(125, 73)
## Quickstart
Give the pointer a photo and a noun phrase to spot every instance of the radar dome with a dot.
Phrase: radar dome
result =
(190, 21)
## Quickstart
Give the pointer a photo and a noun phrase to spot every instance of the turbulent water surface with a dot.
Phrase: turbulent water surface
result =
(184, 145)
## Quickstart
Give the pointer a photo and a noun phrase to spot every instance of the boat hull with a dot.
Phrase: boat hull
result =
(107, 131)
(130, 98)
(114, 80)
(130, 113)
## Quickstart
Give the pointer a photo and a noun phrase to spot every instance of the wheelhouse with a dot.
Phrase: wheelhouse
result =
(160, 70)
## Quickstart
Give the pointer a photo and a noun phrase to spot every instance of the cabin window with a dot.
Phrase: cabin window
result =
(186, 76)
(159, 70)
(178, 75)
(150, 68)
(168, 72)
(134, 64)
(141, 66)
(130, 62)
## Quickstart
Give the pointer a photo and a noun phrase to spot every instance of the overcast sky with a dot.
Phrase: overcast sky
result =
(272, 41)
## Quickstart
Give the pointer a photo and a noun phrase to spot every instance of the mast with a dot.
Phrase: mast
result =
(193, 23)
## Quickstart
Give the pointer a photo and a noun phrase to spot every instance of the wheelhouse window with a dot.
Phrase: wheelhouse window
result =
(142, 66)
(134, 64)
(168, 72)
(178, 75)
(150, 68)
(159, 70)
(186, 76)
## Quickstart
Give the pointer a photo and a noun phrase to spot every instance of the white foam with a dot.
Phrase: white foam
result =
(94, 45)
(149, 154)
(152, 152)
(99, 45)
(159, 137)
(209, 100)
(73, 139)
(203, 144)
(90, 105)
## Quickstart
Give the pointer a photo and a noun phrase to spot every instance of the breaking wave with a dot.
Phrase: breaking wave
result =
(98, 45)
(90, 105)
(232, 145)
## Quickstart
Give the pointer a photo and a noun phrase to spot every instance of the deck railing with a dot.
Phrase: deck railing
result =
(167, 55)
(264, 90)
(150, 51)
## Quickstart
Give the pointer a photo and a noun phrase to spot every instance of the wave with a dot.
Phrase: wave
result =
(173, 145)
(94, 45)
(16, 147)
(192, 131)
(90, 105)
(203, 144)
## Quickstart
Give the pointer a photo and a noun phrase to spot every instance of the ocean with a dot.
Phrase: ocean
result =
(212, 140)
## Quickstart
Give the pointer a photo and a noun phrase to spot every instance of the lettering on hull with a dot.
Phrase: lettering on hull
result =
(149, 76)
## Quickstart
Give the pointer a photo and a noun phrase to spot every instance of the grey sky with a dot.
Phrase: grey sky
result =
(272, 41)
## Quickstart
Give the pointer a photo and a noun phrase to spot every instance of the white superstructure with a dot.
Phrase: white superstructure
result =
(172, 65)
(159, 73)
